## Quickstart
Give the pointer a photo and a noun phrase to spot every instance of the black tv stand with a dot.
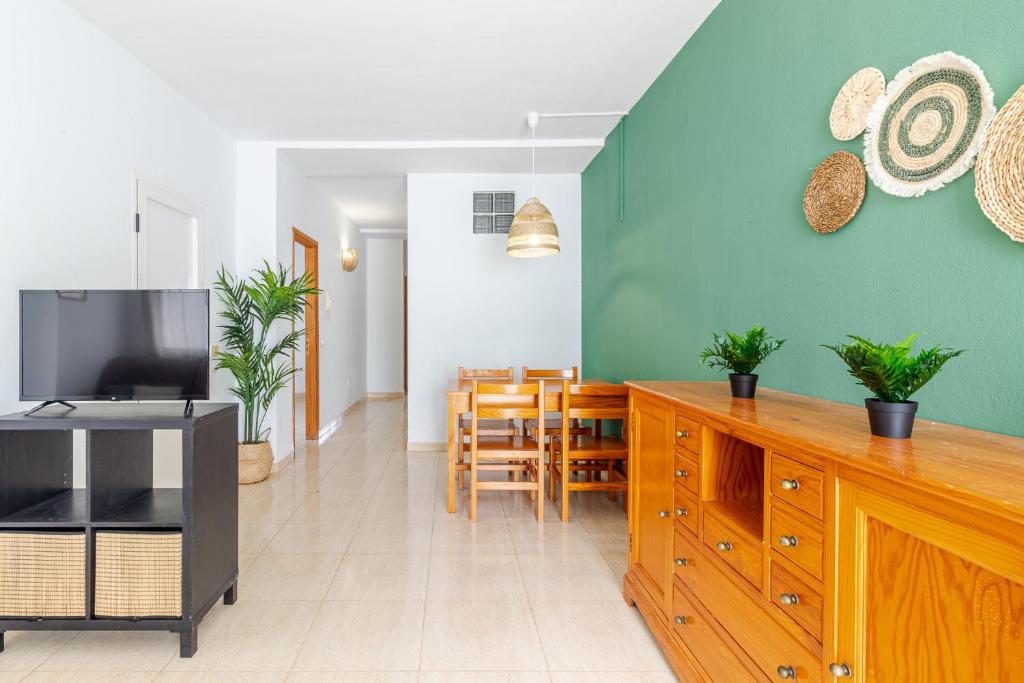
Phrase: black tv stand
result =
(37, 469)
(51, 403)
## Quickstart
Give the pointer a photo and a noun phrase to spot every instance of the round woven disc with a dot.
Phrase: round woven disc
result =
(835, 192)
(999, 173)
(926, 129)
(849, 114)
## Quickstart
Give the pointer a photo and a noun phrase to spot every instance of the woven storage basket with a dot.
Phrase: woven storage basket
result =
(42, 574)
(255, 461)
(999, 173)
(138, 574)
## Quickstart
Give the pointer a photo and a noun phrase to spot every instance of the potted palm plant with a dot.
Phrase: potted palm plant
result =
(741, 354)
(254, 356)
(890, 373)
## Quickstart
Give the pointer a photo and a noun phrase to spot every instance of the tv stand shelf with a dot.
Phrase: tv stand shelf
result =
(36, 495)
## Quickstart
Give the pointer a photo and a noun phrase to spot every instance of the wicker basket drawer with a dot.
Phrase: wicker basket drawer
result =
(138, 574)
(42, 574)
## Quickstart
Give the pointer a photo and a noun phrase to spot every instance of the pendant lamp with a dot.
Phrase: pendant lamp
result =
(533, 232)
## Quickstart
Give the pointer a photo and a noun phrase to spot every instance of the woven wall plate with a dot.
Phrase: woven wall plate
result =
(835, 192)
(999, 172)
(849, 114)
(926, 129)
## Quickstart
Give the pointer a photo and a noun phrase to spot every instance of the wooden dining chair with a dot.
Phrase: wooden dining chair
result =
(487, 428)
(511, 454)
(591, 454)
(553, 423)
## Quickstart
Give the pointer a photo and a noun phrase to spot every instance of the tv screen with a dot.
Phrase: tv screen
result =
(115, 345)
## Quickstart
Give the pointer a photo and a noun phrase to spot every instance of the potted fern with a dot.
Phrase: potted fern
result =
(741, 354)
(890, 373)
(252, 354)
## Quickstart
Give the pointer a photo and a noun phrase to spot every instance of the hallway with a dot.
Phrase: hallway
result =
(351, 563)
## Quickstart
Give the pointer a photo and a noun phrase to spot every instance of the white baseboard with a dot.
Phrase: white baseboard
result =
(426, 446)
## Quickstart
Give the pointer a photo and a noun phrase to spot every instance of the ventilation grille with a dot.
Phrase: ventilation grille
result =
(493, 212)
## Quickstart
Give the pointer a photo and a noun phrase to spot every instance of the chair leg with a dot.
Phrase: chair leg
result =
(472, 486)
(460, 474)
(551, 471)
(611, 468)
(540, 485)
(566, 467)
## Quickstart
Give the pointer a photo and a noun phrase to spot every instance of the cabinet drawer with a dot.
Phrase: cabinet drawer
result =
(798, 537)
(742, 615)
(801, 602)
(740, 551)
(798, 484)
(692, 625)
(687, 434)
(684, 508)
(687, 470)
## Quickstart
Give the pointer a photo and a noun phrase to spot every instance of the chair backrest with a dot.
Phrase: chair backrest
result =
(532, 374)
(506, 401)
(595, 401)
(496, 376)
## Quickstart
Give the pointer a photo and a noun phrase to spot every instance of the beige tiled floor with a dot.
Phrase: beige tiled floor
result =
(353, 570)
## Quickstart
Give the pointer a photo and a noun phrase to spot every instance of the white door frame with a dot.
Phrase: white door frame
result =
(143, 191)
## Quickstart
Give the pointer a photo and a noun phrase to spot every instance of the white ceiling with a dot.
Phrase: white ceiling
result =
(362, 70)
(375, 203)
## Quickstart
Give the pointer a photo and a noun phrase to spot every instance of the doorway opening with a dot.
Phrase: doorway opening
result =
(306, 361)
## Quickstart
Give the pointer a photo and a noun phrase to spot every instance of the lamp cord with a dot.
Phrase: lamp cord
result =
(533, 161)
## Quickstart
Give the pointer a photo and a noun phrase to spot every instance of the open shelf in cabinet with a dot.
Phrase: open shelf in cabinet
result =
(733, 483)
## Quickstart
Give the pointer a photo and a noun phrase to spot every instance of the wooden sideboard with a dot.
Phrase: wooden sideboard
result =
(774, 538)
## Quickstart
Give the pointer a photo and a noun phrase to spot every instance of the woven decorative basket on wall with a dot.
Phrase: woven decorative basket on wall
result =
(255, 461)
(999, 171)
(926, 129)
(138, 574)
(834, 192)
(849, 114)
(42, 574)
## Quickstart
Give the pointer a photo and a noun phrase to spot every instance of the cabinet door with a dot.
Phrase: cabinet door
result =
(651, 460)
(923, 597)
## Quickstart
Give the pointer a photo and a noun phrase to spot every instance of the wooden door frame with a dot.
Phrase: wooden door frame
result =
(312, 321)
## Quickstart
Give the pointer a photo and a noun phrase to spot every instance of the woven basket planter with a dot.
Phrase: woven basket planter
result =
(254, 462)
(138, 574)
(42, 574)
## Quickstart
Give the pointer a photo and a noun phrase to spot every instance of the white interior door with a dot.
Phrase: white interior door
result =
(168, 255)
(168, 240)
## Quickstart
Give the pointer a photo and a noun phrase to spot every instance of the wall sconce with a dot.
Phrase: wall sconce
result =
(349, 260)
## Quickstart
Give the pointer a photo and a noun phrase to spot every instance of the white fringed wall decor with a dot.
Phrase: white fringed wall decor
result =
(927, 128)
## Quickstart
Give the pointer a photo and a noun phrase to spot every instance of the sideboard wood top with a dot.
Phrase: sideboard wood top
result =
(979, 467)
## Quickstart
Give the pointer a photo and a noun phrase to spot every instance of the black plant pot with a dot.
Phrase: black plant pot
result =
(743, 386)
(891, 420)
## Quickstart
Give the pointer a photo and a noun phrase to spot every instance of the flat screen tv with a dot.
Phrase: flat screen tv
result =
(120, 345)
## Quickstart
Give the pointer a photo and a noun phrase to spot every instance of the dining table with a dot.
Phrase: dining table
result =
(459, 405)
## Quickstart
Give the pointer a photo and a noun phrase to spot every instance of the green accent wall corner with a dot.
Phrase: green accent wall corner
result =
(713, 236)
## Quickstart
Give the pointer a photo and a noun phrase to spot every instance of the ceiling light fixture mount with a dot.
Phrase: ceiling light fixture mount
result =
(533, 232)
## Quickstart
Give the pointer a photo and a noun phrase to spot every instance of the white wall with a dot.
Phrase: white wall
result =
(80, 116)
(471, 304)
(385, 313)
(305, 206)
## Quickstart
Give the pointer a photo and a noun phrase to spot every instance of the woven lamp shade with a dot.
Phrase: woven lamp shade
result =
(533, 232)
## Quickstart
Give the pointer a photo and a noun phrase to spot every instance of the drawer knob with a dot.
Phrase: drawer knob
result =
(682, 473)
(682, 562)
(787, 541)
(786, 672)
(724, 546)
(840, 670)
(680, 620)
(681, 433)
(663, 513)
(682, 512)
(789, 599)
(789, 484)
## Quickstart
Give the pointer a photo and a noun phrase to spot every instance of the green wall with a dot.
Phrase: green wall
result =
(718, 152)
